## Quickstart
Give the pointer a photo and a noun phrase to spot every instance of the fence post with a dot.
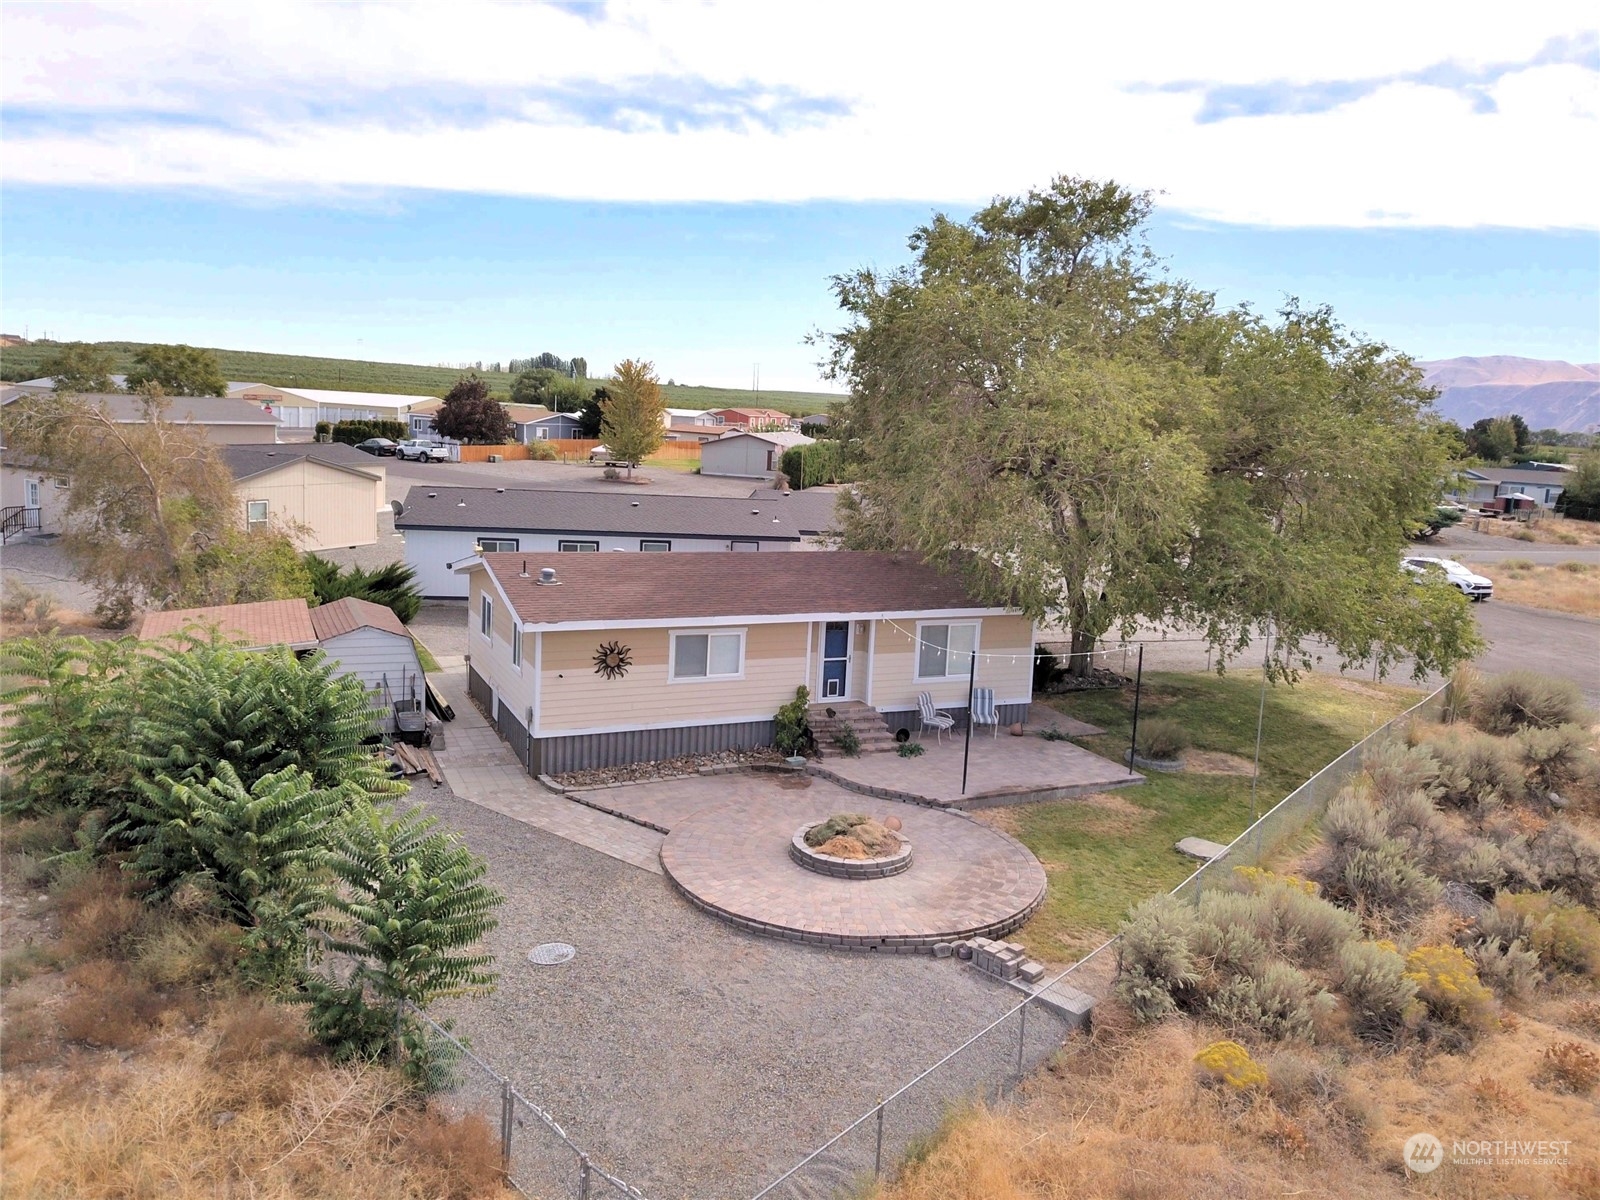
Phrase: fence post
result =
(877, 1157)
(507, 1122)
(1022, 1036)
(583, 1176)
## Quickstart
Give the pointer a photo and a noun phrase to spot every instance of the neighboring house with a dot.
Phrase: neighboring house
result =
(748, 455)
(331, 494)
(694, 432)
(226, 419)
(361, 638)
(815, 421)
(710, 650)
(334, 406)
(551, 425)
(751, 419)
(1543, 483)
(687, 416)
(444, 525)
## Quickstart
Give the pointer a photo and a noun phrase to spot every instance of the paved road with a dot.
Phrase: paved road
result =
(1534, 640)
(1486, 548)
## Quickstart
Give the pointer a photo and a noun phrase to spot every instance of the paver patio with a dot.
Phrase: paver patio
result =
(1002, 770)
(728, 852)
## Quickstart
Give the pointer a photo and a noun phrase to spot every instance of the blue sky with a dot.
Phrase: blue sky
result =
(679, 181)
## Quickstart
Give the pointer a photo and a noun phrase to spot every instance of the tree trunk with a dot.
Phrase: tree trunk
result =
(1082, 661)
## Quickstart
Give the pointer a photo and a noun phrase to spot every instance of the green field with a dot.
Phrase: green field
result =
(354, 375)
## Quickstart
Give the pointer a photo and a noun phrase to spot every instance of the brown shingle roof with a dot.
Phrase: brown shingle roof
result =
(651, 588)
(265, 623)
(344, 616)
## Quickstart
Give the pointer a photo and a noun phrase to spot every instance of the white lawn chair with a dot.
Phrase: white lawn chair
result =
(932, 718)
(983, 709)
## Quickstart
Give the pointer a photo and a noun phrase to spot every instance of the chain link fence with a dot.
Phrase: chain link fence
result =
(995, 1060)
(984, 1069)
(538, 1156)
(1289, 817)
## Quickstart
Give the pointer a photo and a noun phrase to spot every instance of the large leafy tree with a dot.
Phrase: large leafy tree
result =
(545, 385)
(469, 414)
(1035, 401)
(630, 418)
(152, 517)
(177, 371)
(80, 367)
(1495, 439)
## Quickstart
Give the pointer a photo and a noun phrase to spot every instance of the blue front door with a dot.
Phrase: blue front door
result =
(835, 658)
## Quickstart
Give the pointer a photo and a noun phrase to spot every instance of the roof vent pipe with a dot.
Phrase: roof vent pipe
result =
(524, 574)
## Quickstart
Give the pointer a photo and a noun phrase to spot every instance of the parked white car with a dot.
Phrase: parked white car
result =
(1448, 570)
(422, 452)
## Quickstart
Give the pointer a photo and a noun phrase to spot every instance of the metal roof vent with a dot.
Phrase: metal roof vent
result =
(499, 491)
(547, 577)
(633, 504)
(755, 512)
(524, 573)
(433, 495)
(461, 503)
(552, 954)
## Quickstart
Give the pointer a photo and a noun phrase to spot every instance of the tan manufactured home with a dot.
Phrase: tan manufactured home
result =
(587, 660)
(327, 495)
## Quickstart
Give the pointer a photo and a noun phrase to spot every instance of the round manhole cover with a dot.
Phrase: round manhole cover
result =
(552, 953)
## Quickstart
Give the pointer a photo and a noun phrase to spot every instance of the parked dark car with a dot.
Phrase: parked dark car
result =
(379, 446)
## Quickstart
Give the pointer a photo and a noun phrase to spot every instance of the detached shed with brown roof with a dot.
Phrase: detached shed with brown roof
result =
(618, 658)
(359, 637)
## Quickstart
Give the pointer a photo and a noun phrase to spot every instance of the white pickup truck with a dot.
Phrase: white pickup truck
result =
(422, 452)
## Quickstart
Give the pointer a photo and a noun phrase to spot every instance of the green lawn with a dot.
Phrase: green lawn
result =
(1106, 854)
(354, 375)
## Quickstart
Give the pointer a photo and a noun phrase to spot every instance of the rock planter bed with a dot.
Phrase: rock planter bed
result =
(761, 757)
(1140, 762)
(847, 868)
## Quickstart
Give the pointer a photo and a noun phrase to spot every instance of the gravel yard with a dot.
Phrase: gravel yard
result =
(696, 1061)
(441, 626)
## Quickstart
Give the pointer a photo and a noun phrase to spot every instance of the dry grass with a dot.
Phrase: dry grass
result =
(137, 1066)
(1547, 528)
(1124, 1114)
(1569, 587)
(220, 1114)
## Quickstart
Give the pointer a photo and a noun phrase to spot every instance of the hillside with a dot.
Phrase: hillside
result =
(1547, 394)
(295, 370)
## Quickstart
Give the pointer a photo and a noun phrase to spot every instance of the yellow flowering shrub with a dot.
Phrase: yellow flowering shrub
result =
(1447, 982)
(1260, 877)
(1231, 1063)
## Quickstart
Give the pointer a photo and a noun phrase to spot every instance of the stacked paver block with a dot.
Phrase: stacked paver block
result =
(1004, 960)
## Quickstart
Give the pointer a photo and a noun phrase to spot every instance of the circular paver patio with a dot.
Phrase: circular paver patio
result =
(967, 880)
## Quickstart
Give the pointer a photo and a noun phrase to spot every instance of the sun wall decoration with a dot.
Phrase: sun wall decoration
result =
(612, 660)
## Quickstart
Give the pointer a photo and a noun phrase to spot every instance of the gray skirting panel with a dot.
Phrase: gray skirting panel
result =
(1010, 714)
(478, 688)
(557, 755)
(513, 732)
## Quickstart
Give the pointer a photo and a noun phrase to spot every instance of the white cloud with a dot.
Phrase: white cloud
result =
(822, 101)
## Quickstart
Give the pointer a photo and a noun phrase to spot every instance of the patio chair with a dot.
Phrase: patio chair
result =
(932, 718)
(983, 709)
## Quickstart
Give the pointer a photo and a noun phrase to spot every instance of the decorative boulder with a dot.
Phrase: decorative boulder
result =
(1016, 730)
(892, 824)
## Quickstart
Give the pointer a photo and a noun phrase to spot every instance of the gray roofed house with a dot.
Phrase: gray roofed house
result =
(1543, 484)
(227, 419)
(246, 462)
(443, 525)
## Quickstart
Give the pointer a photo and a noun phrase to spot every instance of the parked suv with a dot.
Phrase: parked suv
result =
(1447, 570)
(422, 452)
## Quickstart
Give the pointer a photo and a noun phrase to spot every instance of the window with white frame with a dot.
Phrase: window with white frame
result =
(490, 545)
(709, 655)
(577, 546)
(486, 616)
(657, 544)
(255, 515)
(944, 651)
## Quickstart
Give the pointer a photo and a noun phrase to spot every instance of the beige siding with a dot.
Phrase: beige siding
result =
(241, 435)
(894, 682)
(336, 507)
(52, 499)
(573, 696)
(512, 685)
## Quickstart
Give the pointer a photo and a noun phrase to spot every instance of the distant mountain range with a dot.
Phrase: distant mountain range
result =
(1545, 393)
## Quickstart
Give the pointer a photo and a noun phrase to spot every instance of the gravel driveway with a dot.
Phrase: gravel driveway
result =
(694, 1060)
